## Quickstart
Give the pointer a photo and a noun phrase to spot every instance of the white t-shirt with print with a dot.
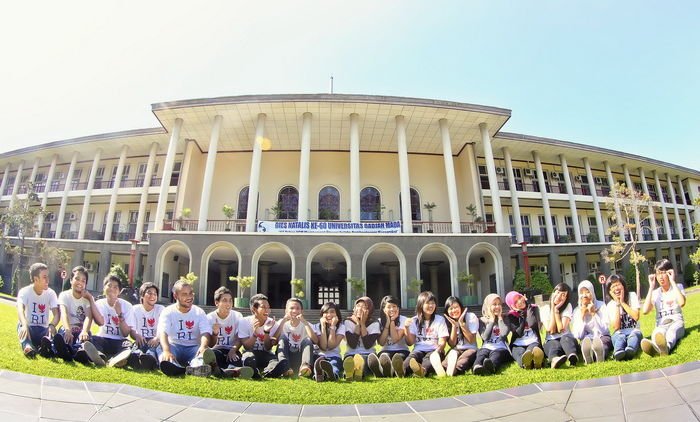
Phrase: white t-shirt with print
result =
(295, 335)
(545, 313)
(495, 342)
(372, 328)
(184, 329)
(627, 323)
(37, 308)
(529, 337)
(591, 326)
(246, 330)
(228, 328)
(427, 338)
(390, 346)
(76, 309)
(473, 326)
(145, 322)
(667, 308)
(110, 329)
(332, 353)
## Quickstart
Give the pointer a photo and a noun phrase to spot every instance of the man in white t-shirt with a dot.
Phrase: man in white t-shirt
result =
(669, 300)
(225, 325)
(143, 322)
(37, 311)
(257, 336)
(184, 336)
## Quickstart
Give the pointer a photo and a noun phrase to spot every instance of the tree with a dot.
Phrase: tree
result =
(540, 284)
(628, 211)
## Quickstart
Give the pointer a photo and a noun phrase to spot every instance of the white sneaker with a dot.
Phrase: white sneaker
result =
(119, 360)
(93, 354)
(452, 356)
(437, 364)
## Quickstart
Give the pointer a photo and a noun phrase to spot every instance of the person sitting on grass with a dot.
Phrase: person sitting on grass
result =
(427, 333)
(494, 333)
(184, 332)
(623, 311)
(463, 327)
(560, 345)
(78, 310)
(330, 332)
(144, 324)
(255, 334)
(296, 338)
(361, 334)
(668, 300)
(37, 311)
(225, 326)
(591, 321)
(392, 338)
(524, 323)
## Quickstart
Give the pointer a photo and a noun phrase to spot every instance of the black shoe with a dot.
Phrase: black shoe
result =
(81, 356)
(45, 349)
(327, 369)
(488, 364)
(170, 369)
(148, 362)
(318, 371)
(133, 360)
(573, 359)
(63, 350)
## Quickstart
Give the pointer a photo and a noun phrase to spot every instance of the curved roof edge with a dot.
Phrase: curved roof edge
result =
(568, 144)
(330, 98)
(89, 138)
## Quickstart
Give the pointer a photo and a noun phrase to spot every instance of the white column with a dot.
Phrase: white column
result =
(35, 169)
(45, 196)
(116, 184)
(304, 163)
(652, 214)
(15, 186)
(167, 172)
(184, 177)
(404, 182)
(255, 174)
(517, 220)
(667, 226)
(209, 173)
(476, 182)
(572, 200)
(672, 192)
(88, 194)
(630, 186)
(354, 168)
(452, 197)
(144, 191)
(545, 198)
(493, 181)
(64, 199)
(5, 176)
(596, 204)
(612, 183)
(688, 223)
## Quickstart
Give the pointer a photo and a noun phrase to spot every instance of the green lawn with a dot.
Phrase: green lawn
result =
(304, 391)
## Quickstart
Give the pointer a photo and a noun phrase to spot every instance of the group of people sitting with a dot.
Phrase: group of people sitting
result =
(182, 339)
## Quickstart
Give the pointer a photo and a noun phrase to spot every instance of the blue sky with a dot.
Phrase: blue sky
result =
(621, 75)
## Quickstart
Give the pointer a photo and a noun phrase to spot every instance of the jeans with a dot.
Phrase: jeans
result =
(110, 346)
(183, 354)
(673, 331)
(145, 349)
(34, 336)
(296, 358)
(562, 346)
(621, 341)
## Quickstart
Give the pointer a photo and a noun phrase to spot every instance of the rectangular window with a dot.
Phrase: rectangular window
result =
(125, 175)
(77, 174)
(175, 176)
(141, 176)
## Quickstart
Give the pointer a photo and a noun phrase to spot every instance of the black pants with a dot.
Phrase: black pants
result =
(266, 362)
(465, 361)
(518, 352)
(423, 358)
(562, 346)
(110, 346)
(498, 357)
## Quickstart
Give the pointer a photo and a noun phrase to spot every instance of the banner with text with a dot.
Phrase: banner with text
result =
(329, 227)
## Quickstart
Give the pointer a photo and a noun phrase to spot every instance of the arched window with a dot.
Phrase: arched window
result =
(329, 204)
(415, 205)
(243, 204)
(370, 204)
(288, 202)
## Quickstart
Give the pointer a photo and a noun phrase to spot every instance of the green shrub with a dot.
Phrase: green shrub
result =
(539, 284)
(689, 274)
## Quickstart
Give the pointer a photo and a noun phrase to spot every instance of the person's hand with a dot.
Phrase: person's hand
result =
(363, 316)
(215, 329)
(87, 295)
(201, 350)
(334, 321)
(232, 355)
(498, 311)
(138, 338)
(68, 336)
(23, 333)
(408, 322)
(301, 318)
(652, 282)
(83, 336)
(167, 355)
(452, 320)
(154, 342)
(118, 307)
(671, 275)
(592, 309)
(256, 324)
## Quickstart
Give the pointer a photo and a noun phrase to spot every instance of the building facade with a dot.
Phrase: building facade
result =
(326, 187)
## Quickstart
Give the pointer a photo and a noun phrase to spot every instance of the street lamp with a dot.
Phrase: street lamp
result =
(132, 261)
(526, 263)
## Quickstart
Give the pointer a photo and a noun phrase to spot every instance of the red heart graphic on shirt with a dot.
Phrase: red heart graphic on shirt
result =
(261, 337)
(496, 331)
(429, 331)
(189, 324)
(296, 338)
(228, 329)
(115, 320)
(42, 308)
(151, 322)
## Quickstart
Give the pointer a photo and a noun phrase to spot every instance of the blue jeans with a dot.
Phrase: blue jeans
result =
(34, 336)
(145, 349)
(622, 342)
(183, 354)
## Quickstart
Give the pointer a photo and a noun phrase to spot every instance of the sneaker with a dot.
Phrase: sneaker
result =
(82, 357)
(319, 376)
(598, 350)
(630, 353)
(573, 359)
(385, 362)
(416, 367)
(359, 366)
(537, 357)
(479, 370)
(199, 370)
(148, 362)
(452, 356)
(374, 366)
(93, 354)
(45, 348)
(558, 362)
(242, 372)
(649, 347)
(171, 369)
(660, 341)
(437, 365)
(490, 368)
(63, 350)
(587, 351)
(305, 371)
(327, 370)
(133, 360)
(397, 365)
(208, 356)
(527, 360)
(620, 355)
(120, 359)
(349, 368)
(29, 352)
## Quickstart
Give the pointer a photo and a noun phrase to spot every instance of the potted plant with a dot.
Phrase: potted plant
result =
(468, 281)
(298, 290)
(357, 287)
(476, 218)
(429, 206)
(412, 290)
(244, 282)
(184, 214)
(276, 210)
(229, 212)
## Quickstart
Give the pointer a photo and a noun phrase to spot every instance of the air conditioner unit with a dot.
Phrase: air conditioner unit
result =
(598, 180)
(72, 216)
(529, 172)
(578, 178)
(50, 216)
(88, 266)
(592, 266)
(500, 170)
(543, 269)
(554, 175)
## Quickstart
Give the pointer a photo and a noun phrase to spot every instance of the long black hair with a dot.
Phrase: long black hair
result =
(422, 299)
(328, 306)
(563, 287)
(382, 316)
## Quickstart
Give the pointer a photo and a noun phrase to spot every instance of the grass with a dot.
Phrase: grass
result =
(304, 391)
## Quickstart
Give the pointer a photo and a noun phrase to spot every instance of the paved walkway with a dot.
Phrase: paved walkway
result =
(663, 394)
